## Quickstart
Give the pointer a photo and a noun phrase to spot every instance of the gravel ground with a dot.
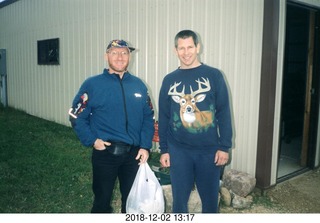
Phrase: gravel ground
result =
(297, 195)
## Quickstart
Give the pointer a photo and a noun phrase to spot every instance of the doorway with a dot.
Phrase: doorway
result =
(298, 92)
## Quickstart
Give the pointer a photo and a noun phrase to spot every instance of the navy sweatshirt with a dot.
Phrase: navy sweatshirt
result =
(194, 110)
(116, 110)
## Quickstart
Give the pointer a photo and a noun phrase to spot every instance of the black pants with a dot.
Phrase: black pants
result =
(106, 167)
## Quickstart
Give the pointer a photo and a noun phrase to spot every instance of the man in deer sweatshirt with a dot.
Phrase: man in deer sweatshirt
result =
(195, 127)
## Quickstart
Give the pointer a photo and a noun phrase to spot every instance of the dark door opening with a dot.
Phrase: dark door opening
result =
(298, 71)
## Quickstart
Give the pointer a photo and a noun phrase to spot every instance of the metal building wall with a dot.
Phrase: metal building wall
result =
(230, 31)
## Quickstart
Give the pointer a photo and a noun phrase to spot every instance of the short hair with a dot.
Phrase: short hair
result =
(184, 34)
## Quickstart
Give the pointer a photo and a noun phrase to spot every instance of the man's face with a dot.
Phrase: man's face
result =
(187, 53)
(118, 59)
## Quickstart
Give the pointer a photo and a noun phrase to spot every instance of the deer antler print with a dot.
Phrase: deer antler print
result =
(207, 88)
(173, 90)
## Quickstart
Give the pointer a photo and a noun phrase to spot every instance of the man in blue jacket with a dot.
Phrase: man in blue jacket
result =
(113, 114)
(195, 128)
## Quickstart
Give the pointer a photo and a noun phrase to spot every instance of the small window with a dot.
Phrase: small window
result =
(48, 52)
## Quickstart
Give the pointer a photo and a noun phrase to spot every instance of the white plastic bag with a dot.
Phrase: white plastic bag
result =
(146, 195)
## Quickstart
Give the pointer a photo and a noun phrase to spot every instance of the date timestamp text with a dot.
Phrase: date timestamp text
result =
(160, 217)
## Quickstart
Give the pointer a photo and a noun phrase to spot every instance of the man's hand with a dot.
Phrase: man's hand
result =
(99, 144)
(221, 158)
(143, 155)
(165, 160)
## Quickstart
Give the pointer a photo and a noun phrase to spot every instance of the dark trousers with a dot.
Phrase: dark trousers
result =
(106, 168)
(189, 168)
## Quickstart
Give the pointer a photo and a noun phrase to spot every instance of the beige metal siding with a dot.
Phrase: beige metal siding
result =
(230, 31)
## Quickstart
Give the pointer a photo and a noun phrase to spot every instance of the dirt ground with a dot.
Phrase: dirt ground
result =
(300, 194)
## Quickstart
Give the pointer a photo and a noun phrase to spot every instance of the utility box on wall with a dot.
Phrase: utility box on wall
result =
(3, 78)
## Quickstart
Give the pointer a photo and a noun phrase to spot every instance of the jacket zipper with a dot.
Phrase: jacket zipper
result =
(125, 109)
(125, 105)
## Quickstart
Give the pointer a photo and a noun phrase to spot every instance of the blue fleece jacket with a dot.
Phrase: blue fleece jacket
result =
(194, 110)
(115, 110)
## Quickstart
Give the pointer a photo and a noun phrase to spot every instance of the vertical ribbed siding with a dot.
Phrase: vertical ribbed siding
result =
(231, 37)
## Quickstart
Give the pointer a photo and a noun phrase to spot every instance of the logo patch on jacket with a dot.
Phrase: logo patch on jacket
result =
(80, 106)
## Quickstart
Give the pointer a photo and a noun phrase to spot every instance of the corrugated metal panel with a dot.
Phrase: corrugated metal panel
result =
(230, 31)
